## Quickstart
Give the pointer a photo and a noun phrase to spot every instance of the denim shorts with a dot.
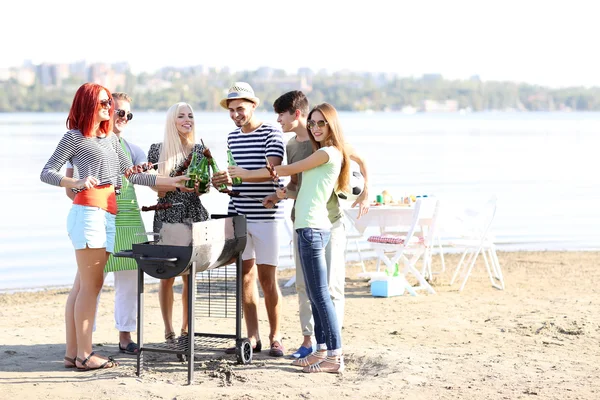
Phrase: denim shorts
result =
(92, 227)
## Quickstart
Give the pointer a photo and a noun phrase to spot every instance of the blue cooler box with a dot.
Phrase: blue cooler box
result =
(387, 288)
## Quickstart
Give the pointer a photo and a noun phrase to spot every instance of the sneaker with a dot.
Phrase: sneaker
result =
(277, 349)
(302, 352)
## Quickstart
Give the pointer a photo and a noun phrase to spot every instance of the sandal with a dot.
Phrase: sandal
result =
(132, 348)
(72, 361)
(170, 338)
(110, 363)
(333, 365)
(277, 349)
(183, 339)
(311, 359)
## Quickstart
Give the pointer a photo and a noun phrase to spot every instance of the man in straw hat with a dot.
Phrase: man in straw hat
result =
(251, 144)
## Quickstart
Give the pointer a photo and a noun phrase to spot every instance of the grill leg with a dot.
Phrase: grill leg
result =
(140, 322)
(238, 297)
(192, 331)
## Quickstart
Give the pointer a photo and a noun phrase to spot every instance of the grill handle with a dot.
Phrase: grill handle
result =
(124, 253)
(167, 259)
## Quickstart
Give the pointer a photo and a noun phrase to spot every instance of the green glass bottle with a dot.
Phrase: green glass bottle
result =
(213, 166)
(203, 176)
(192, 171)
(231, 161)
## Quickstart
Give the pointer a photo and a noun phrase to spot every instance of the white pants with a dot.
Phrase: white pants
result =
(335, 254)
(125, 300)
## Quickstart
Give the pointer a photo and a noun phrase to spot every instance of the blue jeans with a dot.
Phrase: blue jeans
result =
(311, 247)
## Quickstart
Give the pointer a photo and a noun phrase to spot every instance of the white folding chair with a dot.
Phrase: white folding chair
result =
(408, 248)
(353, 236)
(477, 238)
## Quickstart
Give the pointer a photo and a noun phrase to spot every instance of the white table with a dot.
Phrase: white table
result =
(397, 218)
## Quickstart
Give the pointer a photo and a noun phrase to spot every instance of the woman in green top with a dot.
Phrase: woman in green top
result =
(327, 168)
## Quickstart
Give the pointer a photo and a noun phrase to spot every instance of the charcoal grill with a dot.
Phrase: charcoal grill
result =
(189, 249)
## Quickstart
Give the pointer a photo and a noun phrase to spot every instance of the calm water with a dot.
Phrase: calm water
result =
(542, 166)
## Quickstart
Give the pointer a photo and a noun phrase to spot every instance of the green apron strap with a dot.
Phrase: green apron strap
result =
(125, 180)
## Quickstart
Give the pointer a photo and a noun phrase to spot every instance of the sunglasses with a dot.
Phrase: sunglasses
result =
(106, 103)
(311, 124)
(121, 114)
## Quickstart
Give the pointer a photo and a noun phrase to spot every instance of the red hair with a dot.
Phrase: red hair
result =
(82, 115)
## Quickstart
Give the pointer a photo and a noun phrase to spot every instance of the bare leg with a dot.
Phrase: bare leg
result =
(250, 300)
(90, 267)
(165, 298)
(184, 302)
(71, 350)
(267, 275)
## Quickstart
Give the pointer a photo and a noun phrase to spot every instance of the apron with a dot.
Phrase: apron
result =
(129, 225)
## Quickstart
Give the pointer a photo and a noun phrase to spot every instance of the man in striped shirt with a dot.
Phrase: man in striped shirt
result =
(251, 144)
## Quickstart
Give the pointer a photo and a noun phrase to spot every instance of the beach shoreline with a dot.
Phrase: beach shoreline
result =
(540, 336)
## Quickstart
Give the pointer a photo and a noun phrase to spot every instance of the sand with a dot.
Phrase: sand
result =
(537, 339)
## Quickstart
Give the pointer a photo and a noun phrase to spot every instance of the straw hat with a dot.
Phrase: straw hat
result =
(240, 90)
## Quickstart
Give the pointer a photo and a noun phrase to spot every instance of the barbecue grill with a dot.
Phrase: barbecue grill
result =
(189, 249)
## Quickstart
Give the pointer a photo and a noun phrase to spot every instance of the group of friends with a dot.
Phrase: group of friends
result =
(102, 168)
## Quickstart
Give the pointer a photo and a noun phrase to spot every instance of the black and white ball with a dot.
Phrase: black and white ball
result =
(357, 184)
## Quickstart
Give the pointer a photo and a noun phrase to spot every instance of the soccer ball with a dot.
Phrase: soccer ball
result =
(357, 184)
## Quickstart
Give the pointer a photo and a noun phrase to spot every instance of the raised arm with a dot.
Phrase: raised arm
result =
(312, 161)
(363, 200)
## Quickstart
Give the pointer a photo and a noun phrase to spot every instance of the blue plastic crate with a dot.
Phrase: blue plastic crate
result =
(387, 288)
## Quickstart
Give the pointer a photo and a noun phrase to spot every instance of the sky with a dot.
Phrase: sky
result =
(551, 43)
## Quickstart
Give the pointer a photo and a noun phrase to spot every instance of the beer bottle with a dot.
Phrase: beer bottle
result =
(231, 161)
(213, 165)
(203, 176)
(192, 171)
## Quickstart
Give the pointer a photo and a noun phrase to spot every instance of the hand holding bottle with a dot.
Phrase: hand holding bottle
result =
(231, 162)
(221, 178)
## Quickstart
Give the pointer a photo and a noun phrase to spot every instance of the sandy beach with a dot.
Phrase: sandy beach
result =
(537, 339)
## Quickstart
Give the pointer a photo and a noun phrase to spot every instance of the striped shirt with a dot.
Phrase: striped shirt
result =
(102, 158)
(249, 151)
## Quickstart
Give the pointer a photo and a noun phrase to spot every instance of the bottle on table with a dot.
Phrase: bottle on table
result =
(231, 161)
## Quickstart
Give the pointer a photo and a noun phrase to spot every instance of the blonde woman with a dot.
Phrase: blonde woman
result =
(179, 141)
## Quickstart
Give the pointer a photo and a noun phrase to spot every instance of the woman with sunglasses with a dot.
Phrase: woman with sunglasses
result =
(178, 142)
(327, 168)
(100, 162)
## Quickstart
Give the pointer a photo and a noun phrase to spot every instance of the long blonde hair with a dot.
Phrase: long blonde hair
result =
(173, 152)
(335, 139)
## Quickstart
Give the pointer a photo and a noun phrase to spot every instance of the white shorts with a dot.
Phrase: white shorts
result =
(262, 243)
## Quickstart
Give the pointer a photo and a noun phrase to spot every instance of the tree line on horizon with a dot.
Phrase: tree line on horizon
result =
(347, 91)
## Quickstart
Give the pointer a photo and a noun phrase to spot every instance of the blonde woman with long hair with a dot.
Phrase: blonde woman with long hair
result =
(178, 142)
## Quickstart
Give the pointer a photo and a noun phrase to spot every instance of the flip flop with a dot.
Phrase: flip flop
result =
(132, 348)
(71, 360)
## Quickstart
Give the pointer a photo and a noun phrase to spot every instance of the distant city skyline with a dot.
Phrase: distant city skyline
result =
(549, 43)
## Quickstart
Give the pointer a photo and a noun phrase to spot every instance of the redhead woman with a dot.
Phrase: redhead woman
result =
(328, 167)
(100, 161)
